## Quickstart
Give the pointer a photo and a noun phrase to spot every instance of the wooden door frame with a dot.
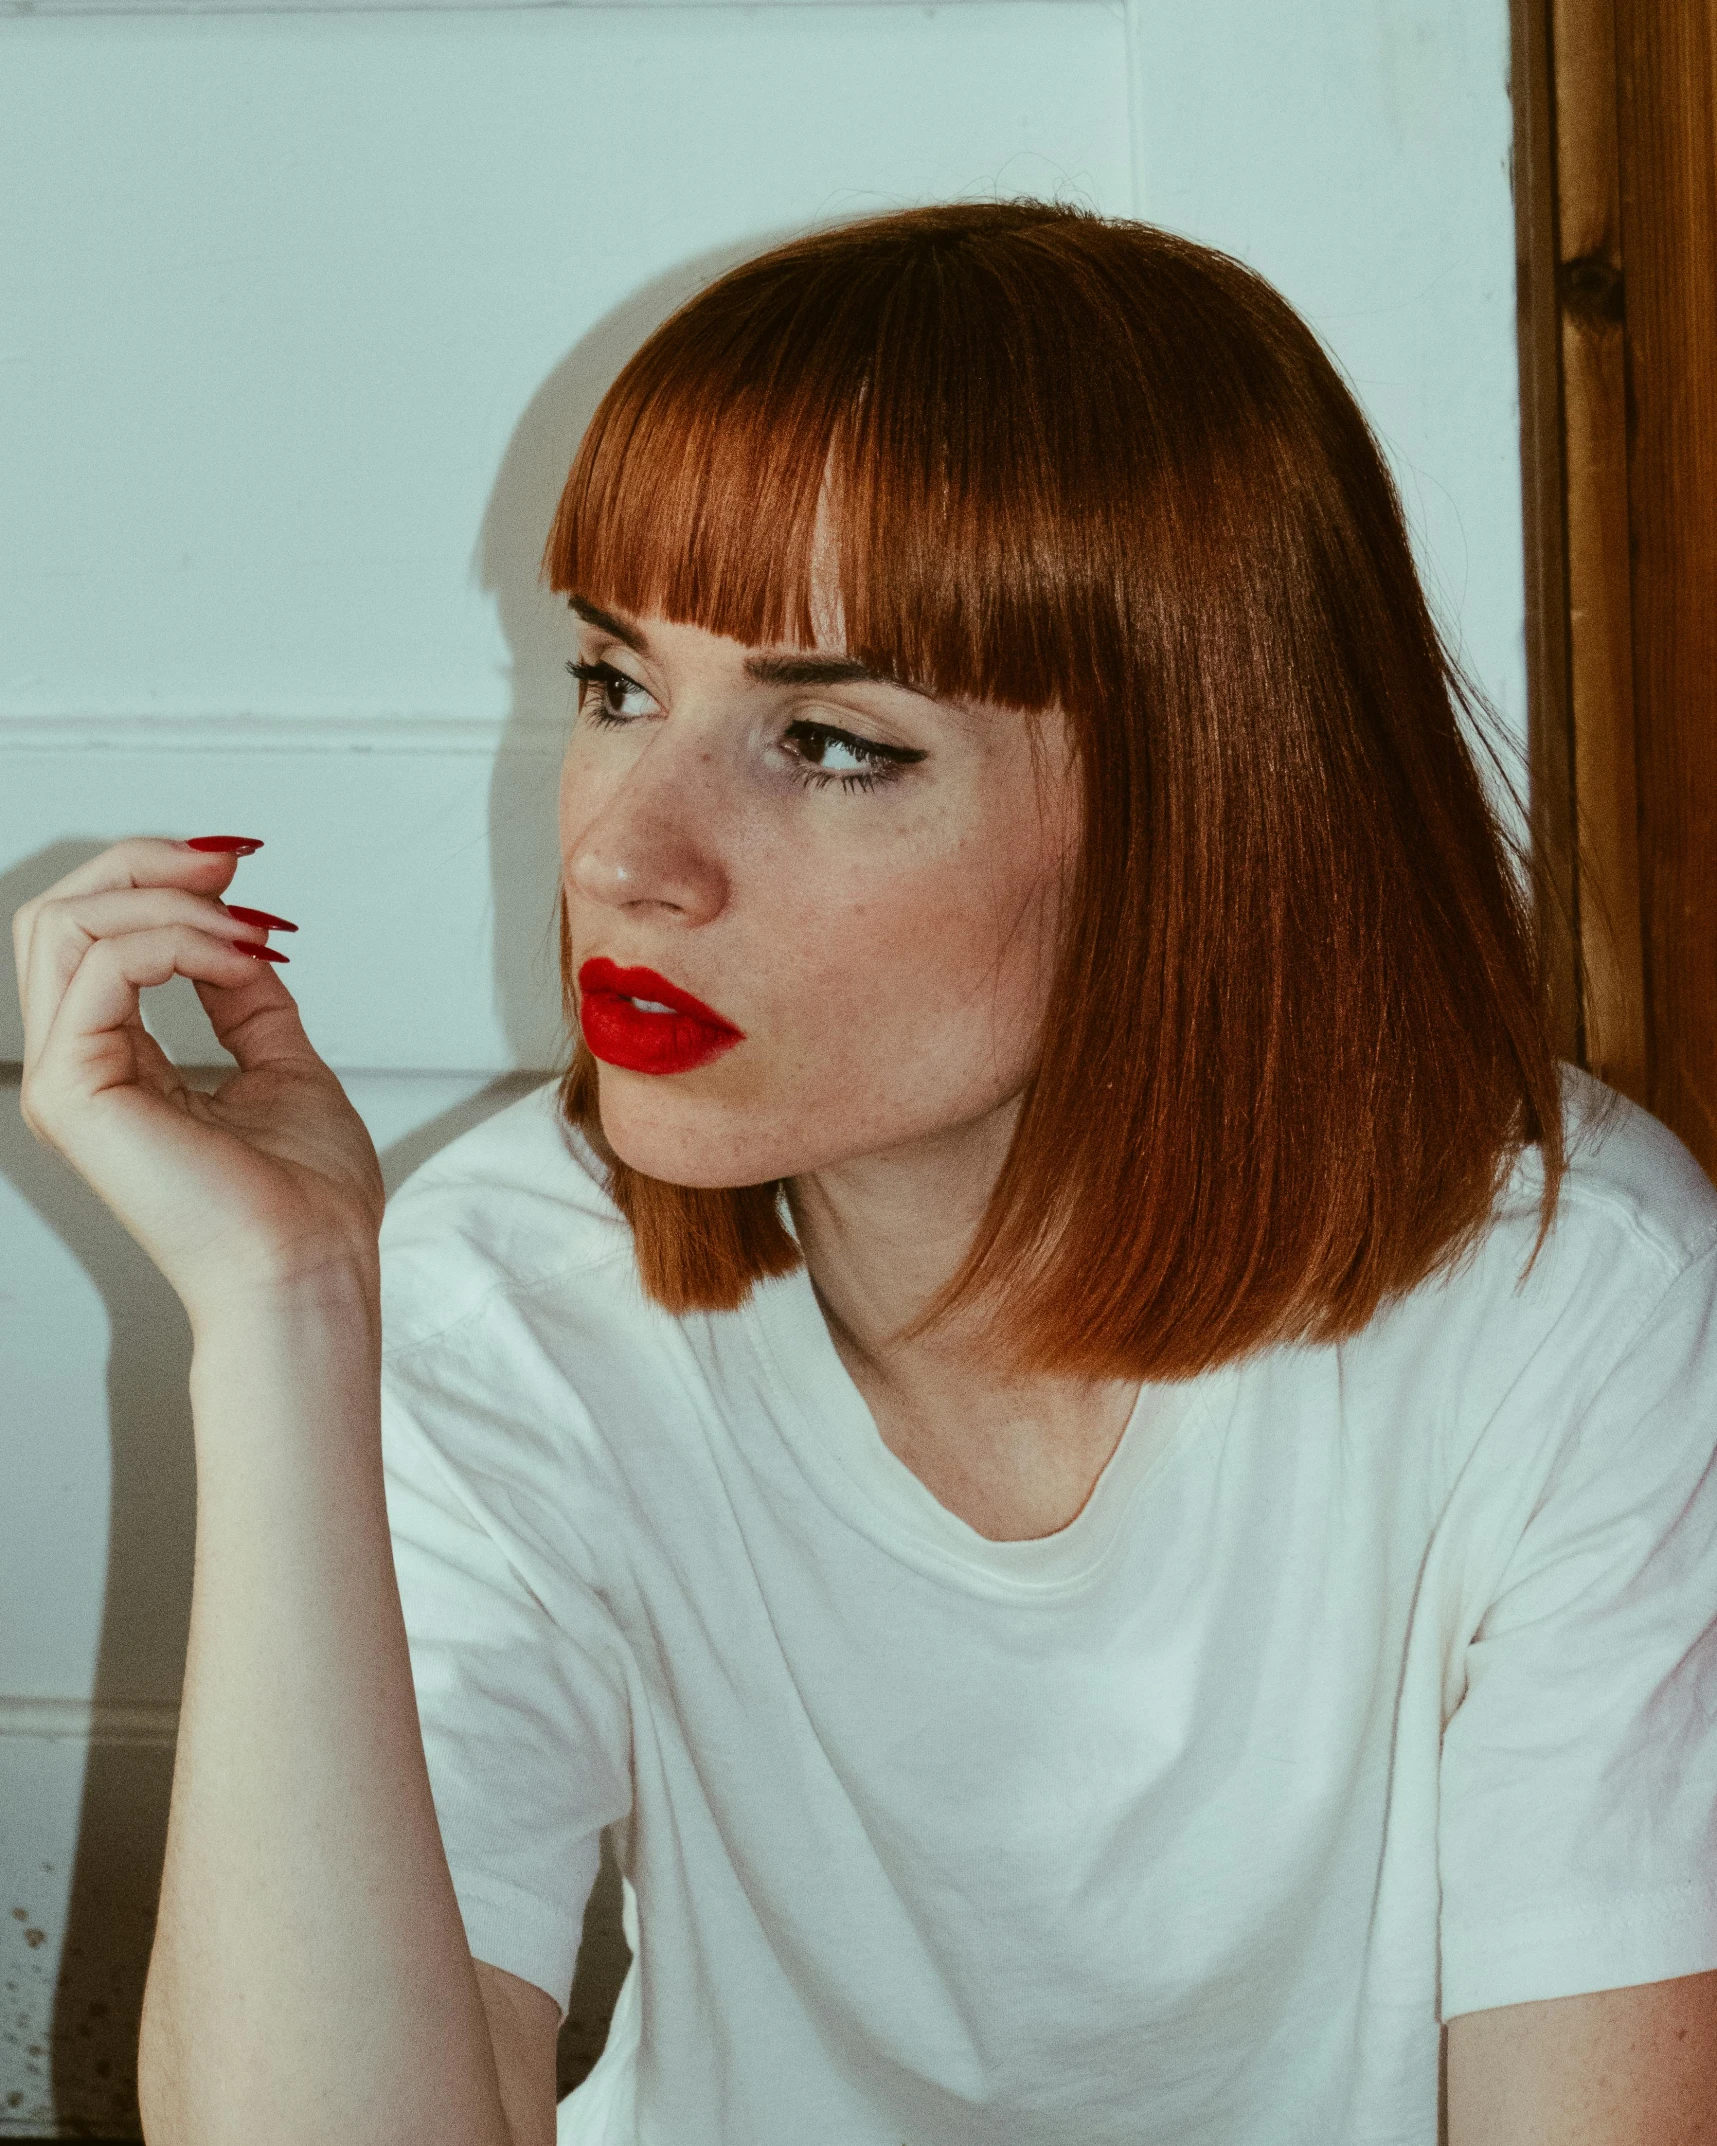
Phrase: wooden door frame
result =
(1616, 214)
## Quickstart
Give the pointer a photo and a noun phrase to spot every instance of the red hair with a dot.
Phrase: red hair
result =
(1297, 1035)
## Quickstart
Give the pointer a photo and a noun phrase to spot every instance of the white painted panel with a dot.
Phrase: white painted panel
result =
(306, 313)
(422, 877)
(307, 316)
(1359, 157)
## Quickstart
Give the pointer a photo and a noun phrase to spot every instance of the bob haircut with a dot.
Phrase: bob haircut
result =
(1296, 1035)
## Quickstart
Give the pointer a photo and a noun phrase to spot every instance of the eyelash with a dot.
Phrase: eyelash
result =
(883, 768)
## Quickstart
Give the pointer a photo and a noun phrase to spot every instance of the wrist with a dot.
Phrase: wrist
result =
(336, 1290)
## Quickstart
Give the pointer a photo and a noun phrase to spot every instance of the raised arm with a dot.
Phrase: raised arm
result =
(310, 1977)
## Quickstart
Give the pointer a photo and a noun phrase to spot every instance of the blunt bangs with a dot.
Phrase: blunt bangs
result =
(965, 491)
(1298, 1032)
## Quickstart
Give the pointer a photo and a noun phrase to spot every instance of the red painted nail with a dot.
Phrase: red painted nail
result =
(230, 845)
(256, 953)
(259, 916)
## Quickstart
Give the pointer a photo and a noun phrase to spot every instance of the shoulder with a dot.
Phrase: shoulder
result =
(1634, 1213)
(1505, 1349)
(516, 1205)
(1629, 1181)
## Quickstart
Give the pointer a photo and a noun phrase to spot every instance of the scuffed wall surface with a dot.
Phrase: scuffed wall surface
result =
(76, 1928)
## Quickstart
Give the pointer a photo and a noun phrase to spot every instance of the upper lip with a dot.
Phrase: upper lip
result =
(601, 974)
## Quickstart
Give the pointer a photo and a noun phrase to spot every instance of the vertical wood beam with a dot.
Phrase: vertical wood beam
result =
(1592, 310)
(1624, 656)
(1667, 80)
(1550, 730)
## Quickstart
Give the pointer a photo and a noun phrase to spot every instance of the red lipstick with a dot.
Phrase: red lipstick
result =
(671, 1034)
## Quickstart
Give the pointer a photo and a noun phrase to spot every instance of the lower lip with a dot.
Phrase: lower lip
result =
(621, 1034)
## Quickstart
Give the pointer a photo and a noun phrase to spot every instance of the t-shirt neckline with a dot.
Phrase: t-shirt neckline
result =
(839, 1449)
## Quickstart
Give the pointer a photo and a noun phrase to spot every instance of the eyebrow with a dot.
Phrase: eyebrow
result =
(782, 670)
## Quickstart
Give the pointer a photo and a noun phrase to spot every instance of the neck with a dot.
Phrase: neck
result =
(1014, 1455)
(883, 1233)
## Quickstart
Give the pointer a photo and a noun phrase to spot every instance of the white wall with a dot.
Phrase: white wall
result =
(302, 315)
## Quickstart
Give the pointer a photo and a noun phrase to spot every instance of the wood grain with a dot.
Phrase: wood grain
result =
(1630, 180)
(1550, 730)
(1667, 82)
(1591, 293)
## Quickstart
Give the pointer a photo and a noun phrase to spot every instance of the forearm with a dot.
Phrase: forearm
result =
(310, 1977)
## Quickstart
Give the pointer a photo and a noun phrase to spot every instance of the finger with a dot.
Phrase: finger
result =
(64, 927)
(141, 860)
(260, 1027)
(145, 861)
(89, 1047)
(154, 1068)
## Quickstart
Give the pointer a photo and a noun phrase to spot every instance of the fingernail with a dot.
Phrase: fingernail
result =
(229, 845)
(256, 953)
(259, 916)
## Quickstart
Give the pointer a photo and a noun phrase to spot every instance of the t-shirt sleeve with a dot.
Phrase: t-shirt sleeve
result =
(1578, 1827)
(520, 1681)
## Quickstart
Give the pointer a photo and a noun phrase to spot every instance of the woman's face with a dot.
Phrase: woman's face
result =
(862, 880)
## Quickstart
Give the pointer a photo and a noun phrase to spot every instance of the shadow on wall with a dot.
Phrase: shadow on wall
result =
(127, 1777)
(523, 843)
(122, 1819)
(97, 1998)
(123, 1816)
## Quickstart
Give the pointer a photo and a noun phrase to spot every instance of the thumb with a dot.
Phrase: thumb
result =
(258, 1022)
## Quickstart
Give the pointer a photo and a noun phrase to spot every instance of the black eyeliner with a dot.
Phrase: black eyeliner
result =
(894, 755)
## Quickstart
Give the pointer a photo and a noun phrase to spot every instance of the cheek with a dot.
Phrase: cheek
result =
(936, 974)
(864, 932)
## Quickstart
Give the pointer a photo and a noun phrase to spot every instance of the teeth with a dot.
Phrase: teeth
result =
(650, 1005)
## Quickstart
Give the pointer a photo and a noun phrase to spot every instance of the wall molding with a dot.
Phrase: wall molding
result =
(90, 1721)
(15, 9)
(481, 737)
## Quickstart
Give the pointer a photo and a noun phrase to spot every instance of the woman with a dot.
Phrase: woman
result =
(1065, 1421)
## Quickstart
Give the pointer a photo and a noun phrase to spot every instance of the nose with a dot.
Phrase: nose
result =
(652, 836)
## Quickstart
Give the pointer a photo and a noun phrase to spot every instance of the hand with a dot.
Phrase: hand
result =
(264, 1183)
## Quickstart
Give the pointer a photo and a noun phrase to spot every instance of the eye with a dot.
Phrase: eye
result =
(607, 681)
(866, 763)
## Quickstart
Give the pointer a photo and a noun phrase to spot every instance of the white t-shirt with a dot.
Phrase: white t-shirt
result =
(1375, 1683)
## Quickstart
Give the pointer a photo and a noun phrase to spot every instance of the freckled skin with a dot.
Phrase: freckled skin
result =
(887, 952)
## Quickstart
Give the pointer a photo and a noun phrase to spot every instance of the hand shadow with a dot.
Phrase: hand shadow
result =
(524, 847)
(145, 1610)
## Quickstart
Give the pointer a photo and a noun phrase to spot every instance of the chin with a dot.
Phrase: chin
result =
(683, 1142)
